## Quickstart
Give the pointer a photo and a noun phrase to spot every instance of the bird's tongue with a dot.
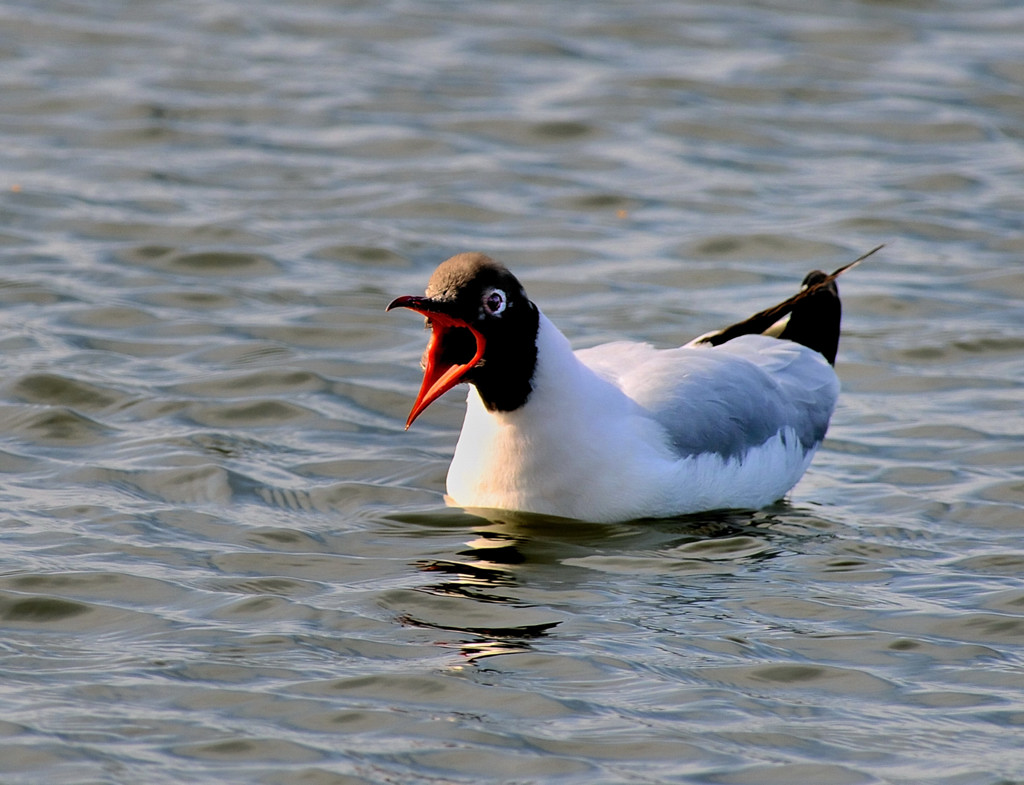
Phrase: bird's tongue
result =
(441, 374)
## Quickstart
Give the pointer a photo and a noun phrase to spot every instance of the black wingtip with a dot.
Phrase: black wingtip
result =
(814, 314)
(849, 266)
(815, 319)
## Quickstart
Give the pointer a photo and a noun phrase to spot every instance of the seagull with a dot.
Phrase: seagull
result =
(624, 431)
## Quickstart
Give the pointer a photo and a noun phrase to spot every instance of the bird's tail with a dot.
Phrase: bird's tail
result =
(810, 317)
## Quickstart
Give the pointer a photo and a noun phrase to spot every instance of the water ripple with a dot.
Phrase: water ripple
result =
(222, 553)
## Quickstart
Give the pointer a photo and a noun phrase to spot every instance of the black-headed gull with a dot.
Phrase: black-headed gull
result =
(623, 430)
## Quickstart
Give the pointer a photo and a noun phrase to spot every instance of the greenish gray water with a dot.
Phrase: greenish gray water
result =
(223, 561)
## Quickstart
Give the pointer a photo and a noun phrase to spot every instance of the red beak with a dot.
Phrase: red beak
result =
(439, 376)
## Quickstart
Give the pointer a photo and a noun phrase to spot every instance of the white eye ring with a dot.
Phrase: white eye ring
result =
(494, 301)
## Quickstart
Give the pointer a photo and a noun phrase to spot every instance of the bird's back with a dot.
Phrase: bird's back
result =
(727, 399)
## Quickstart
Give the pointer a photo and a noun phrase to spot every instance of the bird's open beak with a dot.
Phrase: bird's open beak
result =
(441, 371)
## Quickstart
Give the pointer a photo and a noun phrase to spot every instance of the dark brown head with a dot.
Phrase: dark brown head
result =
(483, 331)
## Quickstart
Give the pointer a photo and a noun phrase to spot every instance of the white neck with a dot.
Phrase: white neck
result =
(546, 455)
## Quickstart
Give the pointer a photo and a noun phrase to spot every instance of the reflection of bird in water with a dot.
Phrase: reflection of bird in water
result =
(492, 586)
(483, 580)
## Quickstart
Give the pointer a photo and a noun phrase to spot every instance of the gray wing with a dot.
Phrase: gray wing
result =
(729, 398)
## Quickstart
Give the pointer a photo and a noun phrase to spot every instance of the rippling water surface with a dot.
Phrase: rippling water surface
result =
(224, 561)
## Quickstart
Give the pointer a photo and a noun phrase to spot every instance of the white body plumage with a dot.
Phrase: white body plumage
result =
(624, 431)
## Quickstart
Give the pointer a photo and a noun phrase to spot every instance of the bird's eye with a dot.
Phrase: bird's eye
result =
(494, 301)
